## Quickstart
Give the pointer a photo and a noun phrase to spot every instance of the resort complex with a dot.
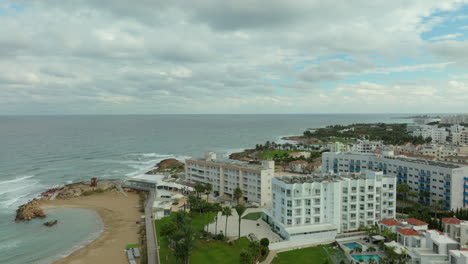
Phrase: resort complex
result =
(227, 175)
(319, 206)
(432, 180)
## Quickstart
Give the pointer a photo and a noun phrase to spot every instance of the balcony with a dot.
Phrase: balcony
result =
(423, 188)
(466, 178)
(465, 200)
(424, 181)
(447, 193)
(448, 186)
(465, 193)
(447, 201)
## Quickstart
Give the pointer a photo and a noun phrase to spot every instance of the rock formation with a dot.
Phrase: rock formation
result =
(29, 211)
(165, 165)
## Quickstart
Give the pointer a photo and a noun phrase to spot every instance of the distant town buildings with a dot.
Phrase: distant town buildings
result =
(226, 175)
(431, 180)
(367, 146)
(437, 134)
(454, 119)
(319, 206)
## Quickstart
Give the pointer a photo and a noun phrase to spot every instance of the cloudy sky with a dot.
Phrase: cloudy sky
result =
(243, 56)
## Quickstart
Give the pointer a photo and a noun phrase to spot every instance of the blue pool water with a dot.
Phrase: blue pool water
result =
(352, 245)
(366, 257)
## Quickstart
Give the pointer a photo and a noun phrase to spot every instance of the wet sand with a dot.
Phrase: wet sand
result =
(119, 215)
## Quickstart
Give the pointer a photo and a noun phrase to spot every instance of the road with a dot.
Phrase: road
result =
(151, 241)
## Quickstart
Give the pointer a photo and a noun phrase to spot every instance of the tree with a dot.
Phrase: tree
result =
(264, 242)
(245, 257)
(238, 194)
(199, 188)
(403, 189)
(240, 209)
(217, 208)
(437, 205)
(208, 189)
(227, 211)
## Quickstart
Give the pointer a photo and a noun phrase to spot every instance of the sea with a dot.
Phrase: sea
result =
(37, 152)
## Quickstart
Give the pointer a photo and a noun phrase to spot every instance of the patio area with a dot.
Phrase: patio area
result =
(258, 227)
(362, 250)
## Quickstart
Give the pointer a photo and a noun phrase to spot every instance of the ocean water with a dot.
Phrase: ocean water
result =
(39, 151)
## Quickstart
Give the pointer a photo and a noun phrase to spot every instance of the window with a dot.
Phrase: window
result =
(289, 213)
(289, 203)
(307, 202)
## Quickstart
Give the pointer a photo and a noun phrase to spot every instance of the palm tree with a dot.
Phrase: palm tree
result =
(208, 189)
(437, 205)
(199, 188)
(217, 208)
(403, 190)
(238, 194)
(227, 211)
(240, 209)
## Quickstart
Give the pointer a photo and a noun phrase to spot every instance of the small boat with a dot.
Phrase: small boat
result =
(51, 223)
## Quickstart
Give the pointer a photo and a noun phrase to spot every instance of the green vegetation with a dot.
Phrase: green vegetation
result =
(203, 251)
(394, 134)
(304, 255)
(253, 216)
(218, 252)
(271, 154)
(88, 193)
(337, 139)
(131, 246)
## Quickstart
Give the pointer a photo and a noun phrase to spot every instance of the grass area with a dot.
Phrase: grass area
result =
(218, 252)
(210, 250)
(269, 154)
(253, 216)
(131, 246)
(336, 139)
(304, 255)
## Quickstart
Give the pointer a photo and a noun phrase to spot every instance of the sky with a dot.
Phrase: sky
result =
(243, 56)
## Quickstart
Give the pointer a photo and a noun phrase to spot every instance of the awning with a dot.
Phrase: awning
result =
(378, 238)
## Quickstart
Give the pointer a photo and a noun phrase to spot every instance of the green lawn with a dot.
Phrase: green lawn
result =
(204, 252)
(218, 252)
(131, 246)
(253, 216)
(336, 139)
(304, 255)
(269, 154)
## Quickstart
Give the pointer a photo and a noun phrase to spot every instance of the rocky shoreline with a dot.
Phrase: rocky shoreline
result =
(32, 209)
(165, 165)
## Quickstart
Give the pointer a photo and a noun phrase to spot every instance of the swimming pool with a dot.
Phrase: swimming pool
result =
(366, 257)
(352, 245)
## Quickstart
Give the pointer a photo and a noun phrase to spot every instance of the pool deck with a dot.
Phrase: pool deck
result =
(365, 246)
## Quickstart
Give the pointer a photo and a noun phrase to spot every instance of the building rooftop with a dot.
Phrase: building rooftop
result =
(451, 220)
(412, 160)
(408, 232)
(322, 177)
(390, 222)
(415, 222)
(230, 162)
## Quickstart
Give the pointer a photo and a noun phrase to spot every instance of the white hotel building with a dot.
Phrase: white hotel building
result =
(319, 206)
(227, 175)
(432, 180)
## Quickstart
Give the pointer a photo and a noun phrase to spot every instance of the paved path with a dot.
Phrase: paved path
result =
(151, 241)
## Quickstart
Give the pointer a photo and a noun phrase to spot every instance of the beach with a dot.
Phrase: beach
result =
(119, 215)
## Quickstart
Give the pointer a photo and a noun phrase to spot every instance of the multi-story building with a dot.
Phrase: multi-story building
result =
(437, 134)
(460, 138)
(456, 229)
(454, 119)
(367, 146)
(226, 175)
(322, 205)
(432, 180)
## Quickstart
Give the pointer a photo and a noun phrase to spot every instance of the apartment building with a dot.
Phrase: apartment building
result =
(460, 138)
(322, 205)
(432, 180)
(437, 134)
(367, 146)
(226, 175)
(454, 119)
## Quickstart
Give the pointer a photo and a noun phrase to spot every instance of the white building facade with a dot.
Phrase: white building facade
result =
(226, 175)
(432, 180)
(322, 205)
(437, 134)
(367, 146)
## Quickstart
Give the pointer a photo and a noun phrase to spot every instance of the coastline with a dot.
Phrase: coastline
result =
(118, 214)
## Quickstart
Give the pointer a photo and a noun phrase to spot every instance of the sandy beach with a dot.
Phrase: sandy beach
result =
(119, 215)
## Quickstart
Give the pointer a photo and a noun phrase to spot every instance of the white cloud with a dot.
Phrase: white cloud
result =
(448, 36)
